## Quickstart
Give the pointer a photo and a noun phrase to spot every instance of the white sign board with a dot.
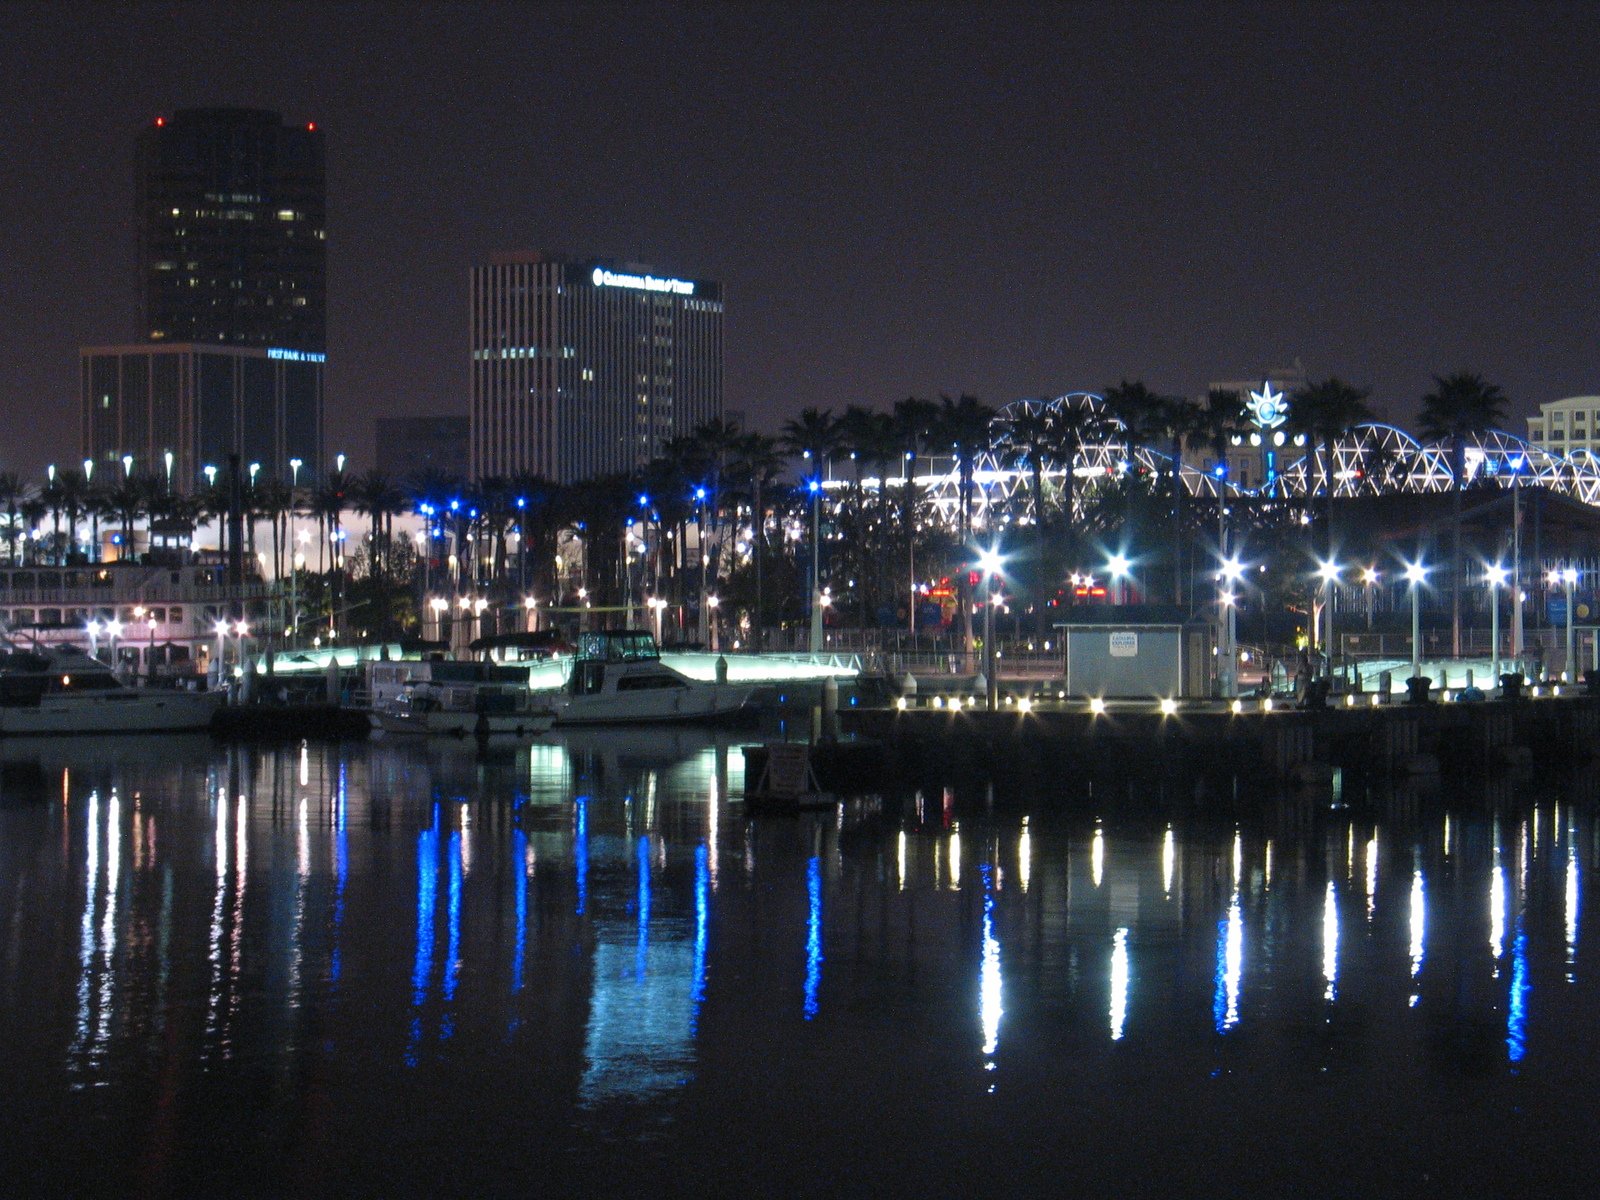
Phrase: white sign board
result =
(1124, 644)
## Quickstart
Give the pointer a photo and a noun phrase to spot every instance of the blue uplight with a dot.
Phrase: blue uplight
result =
(813, 936)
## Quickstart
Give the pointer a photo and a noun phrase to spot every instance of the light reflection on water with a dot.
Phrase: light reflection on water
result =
(552, 921)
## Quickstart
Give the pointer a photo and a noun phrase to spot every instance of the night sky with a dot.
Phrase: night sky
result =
(901, 200)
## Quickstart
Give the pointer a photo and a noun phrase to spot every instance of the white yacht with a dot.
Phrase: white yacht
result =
(617, 677)
(459, 698)
(61, 690)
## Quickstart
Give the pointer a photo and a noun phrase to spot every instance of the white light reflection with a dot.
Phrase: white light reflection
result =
(214, 938)
(86, 943)
(990, 1009)
(1497, 912)
(1169, 856)
(900, 859)
(1266, 873)
(1097, 856)
(305, 766)
(1238, 858)
(1572, 907)
(1372, 874)
(1025, 855)
(955, 860)
(1119, 982)
(1330, 944)
(1419, 910)
(1230, 967)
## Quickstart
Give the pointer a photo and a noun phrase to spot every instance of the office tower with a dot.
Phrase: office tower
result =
(230, 221)
(581, 368)
(201, 403)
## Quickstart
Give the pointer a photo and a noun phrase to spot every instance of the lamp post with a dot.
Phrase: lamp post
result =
(711, 603)
(1117, 568)
(127, 465)
(657, 607)
(1569, 579)
(438, 605)
(166, 456)
(705, 561)
(1495, 576)
(814, 486)
(1369, 577)
(1329, 572)
(92, 628)
(530, 605)
(1516, 559)
(989, 563)
(1416, 573)
(222, 634)
(1227, 682)
(113, 632)
(150, 650)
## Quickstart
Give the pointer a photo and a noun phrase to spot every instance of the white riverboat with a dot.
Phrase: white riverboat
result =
(51, 690)
(455, 698)
(617, 678)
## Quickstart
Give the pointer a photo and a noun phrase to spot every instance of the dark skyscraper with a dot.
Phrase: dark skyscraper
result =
(231, 230)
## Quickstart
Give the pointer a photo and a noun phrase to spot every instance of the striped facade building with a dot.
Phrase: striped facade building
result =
(583, 368)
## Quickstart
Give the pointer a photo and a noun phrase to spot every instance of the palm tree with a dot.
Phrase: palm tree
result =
(1026, 440)
(1326, 412)
(1460, 407)
(913, 422)
(962, 429)
(813, 436)
(14, 492)
(1071, 428)
(757, 465)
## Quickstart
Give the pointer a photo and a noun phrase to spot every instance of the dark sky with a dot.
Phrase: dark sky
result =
(900, 200)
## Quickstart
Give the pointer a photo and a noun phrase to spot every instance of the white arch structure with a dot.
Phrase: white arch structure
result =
(1373, 459)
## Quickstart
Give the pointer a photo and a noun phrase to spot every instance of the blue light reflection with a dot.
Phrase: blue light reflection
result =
(813, 936)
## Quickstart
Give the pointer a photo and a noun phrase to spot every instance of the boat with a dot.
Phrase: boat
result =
(51, 690)
(617, 678)
(459, 698)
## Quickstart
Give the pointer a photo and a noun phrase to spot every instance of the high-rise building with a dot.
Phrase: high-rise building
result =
(407, 446)
(231, 231)
(581, 368)
(200, 404)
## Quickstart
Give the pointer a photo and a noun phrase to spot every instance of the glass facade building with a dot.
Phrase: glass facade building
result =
(231, 227)
(583, 368)
(202, 403)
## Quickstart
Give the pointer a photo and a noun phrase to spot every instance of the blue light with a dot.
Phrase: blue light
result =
(422, 966)
(813, 936)
(813, 486)
(522, 502)
(699, 493)
(341, 871)
(452, 960)
(643, 500)
(1220, 470)
(580, 851)
(455, 506)
(702, 907)
(1517, 1016)
(642, 953)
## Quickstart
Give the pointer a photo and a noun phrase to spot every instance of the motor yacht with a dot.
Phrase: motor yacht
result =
(50, 690)
(459, 698)
(617, 677)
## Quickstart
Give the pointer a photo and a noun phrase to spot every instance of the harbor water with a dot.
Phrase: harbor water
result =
(578, 968)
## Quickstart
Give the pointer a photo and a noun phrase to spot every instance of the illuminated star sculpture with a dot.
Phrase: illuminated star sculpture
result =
(1268, 408)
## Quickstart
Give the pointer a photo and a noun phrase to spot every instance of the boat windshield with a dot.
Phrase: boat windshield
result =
(612, 645)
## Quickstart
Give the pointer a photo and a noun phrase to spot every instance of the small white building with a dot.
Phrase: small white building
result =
(1567, 427)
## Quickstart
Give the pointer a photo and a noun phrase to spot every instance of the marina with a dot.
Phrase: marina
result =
(270, 970)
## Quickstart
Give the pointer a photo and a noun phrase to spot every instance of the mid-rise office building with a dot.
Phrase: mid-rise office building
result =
(201, 403)
(407, 446)
(230, 219)
(1568, 427)
(582, 368)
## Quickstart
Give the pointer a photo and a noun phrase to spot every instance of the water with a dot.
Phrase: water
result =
(577, 969)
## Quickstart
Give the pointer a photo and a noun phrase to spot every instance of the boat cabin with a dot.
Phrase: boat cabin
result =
(602, 652)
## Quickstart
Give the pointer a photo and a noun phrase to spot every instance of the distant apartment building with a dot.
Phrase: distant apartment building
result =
(201, 403)
(408, 446)
(581, 367)
(231, 227)
(1567, 427)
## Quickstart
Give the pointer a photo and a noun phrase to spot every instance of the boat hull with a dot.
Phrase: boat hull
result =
(464, 724)
(703, 704)
(123, 711)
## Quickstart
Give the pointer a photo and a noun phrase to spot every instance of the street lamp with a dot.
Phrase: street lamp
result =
(1416, 575)
(93, 630)
(167, 457)
(1369, 577)
(530, 605)
(814, 487)
(1117, 567)
(1495, 576)
(222, 634)
(1329, 573)
(438, 604)
(1569, 579)
(711, 604)
(113, 631)
(989, 562)
(150, 651)
(127, 465)
(1232, 569)
(658, 606)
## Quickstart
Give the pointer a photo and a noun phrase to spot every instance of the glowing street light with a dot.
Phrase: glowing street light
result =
(1495, 576)
(989, 562)
(1569, 580)
(1369, 577)
(1416, 576)
(1117, 566)
(1229, 576)
(1328, 572)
